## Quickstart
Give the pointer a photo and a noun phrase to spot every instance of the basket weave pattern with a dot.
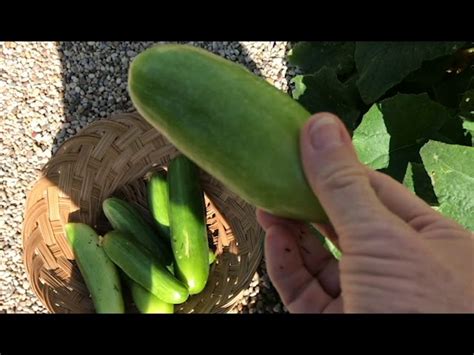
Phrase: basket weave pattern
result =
(111, 157)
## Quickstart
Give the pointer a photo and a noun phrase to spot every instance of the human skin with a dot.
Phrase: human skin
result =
(398, 254)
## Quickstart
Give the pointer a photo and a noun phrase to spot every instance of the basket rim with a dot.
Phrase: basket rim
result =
(37, 202)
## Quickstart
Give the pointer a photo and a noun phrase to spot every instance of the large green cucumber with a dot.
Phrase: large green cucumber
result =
(146, 301)
(188, 224)
(158, 200)
(123, 216)
(99, 272)
(230, 122)
(142, 267)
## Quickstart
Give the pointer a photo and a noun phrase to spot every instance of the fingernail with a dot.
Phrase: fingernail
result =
(324, 132)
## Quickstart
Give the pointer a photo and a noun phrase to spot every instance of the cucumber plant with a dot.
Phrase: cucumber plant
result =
(410, 106)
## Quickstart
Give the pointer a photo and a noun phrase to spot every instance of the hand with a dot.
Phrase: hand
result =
(398, 254)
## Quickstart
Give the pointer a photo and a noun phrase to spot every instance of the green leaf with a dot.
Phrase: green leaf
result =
(430, 72)
(469, 126)
(400, 159)
(372, 140)
(323, 91)
(382, 65)
(312, 56)
(299, 86)
(466, 112)
(411, 118)
(451, 169)
(453, 132)
(392, 131)
(418, 181)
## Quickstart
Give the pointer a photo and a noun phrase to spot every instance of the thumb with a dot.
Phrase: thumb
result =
(336, 176)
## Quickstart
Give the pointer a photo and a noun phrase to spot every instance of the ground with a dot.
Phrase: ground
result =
(48, 92)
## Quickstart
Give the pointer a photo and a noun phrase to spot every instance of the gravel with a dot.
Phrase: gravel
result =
(48, 92)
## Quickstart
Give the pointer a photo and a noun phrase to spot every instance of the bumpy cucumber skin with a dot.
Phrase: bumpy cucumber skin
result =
(99, 272)
(188, 224)
(123, 216)
(143, 268)
(145, 301)
(230, 122)
(158, 200)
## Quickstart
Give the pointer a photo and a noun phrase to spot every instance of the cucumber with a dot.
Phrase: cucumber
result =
(147, 302)
(188, 224)
(212, 256)
(123, 216)
(99, 272)
(143, 267)
(231, 123)
(158, 200)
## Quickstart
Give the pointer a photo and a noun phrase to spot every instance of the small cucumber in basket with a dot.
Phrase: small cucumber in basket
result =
(99, 272)
(212, 257)
(188, 224)
(146, 301)
(143, 267)
(158, 200)
(123, 216)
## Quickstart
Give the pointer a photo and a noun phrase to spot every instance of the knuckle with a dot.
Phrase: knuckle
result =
(342, 178)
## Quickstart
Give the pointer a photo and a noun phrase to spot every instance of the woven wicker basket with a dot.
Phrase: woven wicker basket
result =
(111, 157)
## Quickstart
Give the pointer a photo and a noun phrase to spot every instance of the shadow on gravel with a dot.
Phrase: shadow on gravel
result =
(95, 78)
(95, 87)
